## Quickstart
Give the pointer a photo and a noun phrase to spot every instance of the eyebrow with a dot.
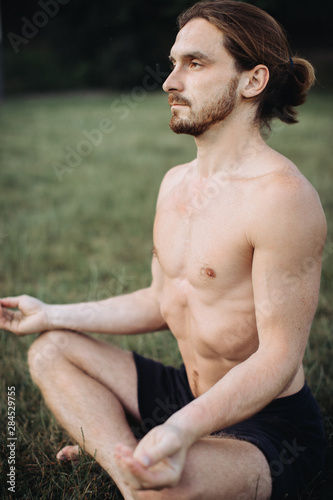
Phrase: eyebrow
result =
(197, 54)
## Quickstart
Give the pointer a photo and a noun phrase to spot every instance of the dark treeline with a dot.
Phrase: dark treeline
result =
(69, 44)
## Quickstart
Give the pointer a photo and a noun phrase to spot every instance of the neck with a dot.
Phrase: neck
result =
(228, 146)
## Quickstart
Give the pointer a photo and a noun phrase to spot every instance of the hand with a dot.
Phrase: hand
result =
(29, 318)
(158, 460)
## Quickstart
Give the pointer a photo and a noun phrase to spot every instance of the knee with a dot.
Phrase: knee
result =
(149, 495)
(168, 494)
(45, 352)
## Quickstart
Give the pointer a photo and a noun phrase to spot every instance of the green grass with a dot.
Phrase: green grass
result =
(89, 237)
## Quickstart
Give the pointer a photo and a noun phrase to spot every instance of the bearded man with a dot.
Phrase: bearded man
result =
(238, 240)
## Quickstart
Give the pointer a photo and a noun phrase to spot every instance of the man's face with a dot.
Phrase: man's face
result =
(203, 84)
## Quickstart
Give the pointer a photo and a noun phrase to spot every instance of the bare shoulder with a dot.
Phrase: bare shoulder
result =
(173, 177)
(287, 202)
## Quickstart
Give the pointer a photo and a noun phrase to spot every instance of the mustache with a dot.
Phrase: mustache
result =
(177, 99)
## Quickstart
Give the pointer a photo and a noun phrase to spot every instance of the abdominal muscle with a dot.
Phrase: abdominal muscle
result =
(214, 338)
(205, 260)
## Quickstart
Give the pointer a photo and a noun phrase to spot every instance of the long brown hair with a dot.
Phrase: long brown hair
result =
(251, 36)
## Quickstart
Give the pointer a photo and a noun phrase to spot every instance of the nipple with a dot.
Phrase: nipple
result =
(208, 271)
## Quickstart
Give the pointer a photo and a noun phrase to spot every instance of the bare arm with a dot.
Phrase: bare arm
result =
(133, 313)
(288, 235)
(288, 238)
(137, 312)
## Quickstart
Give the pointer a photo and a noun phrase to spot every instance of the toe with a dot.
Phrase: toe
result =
(68, 453)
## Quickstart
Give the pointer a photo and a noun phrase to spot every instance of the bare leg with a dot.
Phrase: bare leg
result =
(219, 469)
(88, 385)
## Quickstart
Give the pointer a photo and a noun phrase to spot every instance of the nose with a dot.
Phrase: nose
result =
(173, 83)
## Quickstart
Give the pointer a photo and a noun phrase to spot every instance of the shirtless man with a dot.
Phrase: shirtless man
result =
(238, 240)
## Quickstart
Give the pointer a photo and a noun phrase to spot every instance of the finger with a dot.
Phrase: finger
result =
(127, 469)
(6, 316)
(11, 302)
(156, 477)
(138, 476)
(134, 474)
(156, 452)
(10, 320)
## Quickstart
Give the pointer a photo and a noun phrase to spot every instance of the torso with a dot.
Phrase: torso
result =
(201, 241)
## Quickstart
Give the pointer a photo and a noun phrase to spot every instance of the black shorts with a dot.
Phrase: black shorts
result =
(289, 431)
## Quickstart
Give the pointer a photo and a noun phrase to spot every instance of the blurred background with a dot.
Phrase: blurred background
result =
(84, 144)
(57, 45)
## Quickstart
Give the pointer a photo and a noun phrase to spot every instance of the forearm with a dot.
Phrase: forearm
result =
(242, 392)
(133, 313)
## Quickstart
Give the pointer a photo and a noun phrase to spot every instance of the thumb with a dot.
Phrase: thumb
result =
(165, 447)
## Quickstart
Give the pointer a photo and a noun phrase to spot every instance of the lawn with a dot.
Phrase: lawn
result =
(79, 178)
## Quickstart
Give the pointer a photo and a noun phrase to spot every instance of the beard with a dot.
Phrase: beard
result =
(196, 123)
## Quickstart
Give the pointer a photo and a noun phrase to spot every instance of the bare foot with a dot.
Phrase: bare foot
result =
(69, 453)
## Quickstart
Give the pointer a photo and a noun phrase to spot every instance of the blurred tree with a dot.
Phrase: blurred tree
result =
(56, 44)
(1, 63)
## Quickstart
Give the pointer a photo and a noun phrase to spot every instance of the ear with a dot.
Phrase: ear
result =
(255, 81)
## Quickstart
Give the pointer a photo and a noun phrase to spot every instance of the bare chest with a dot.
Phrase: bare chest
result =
(203, 241)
